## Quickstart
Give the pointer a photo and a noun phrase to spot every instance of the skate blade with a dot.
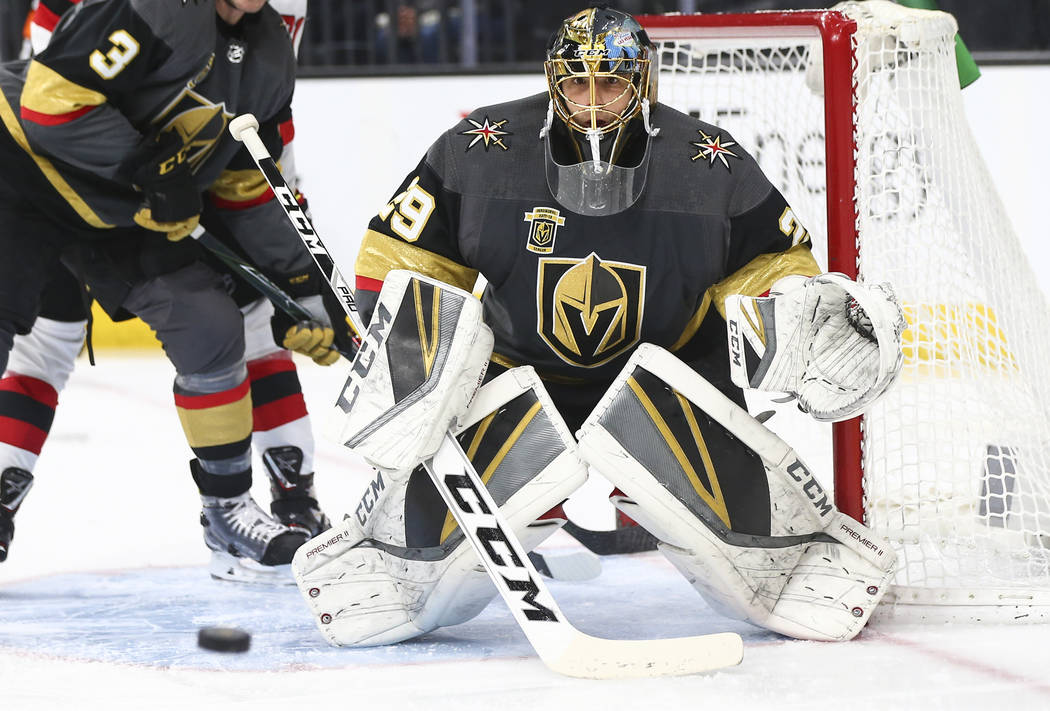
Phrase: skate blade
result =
(224, 566)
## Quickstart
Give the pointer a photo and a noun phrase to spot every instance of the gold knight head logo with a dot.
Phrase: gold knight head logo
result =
(199, 124)
(590, 311)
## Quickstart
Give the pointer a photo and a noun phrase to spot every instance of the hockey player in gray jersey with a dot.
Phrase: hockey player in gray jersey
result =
(42, 360)
(621, 241)
(111, 135)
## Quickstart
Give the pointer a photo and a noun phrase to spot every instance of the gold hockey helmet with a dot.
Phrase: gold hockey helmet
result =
(601, 76)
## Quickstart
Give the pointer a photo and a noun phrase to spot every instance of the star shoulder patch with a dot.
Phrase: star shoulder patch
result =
(487, 133)
(714, 149)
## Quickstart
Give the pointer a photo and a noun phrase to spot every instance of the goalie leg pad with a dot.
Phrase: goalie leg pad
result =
(421, 361)
(399, 567)
(772, 549)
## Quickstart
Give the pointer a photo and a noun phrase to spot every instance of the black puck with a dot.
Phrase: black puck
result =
(223, 639)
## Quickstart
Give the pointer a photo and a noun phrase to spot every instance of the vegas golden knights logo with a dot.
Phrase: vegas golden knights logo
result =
(198, 122)
(590, 311)
(543, 229)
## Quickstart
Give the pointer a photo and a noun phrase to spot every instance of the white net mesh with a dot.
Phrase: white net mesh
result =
(956, 458)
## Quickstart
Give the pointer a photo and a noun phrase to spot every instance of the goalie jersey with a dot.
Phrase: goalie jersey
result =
(574, 295)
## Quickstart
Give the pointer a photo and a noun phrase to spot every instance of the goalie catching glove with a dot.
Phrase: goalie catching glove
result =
(733, 507)
(832, 342)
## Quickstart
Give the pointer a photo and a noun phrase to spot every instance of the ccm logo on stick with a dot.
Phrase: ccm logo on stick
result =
(490, 537)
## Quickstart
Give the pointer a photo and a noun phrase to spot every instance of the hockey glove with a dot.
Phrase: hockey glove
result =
(171, 199)
(313, 338)
(832, 342)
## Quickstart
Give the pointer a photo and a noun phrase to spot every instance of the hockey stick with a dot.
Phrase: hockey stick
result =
(562, 647)
(573, 566)
(277, 296)
(632, 539)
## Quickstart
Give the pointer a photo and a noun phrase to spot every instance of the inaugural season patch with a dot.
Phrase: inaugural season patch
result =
(543, 228)
(714, 149)
(590, 311)
(487, 133)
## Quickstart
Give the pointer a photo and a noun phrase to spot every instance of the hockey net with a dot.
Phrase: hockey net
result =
(856, 115)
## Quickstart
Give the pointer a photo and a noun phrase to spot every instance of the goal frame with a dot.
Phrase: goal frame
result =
(837, 42)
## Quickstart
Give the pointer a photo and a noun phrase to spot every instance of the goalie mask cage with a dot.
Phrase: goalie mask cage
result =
(856, 115)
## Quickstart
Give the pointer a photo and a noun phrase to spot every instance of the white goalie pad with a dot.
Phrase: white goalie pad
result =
(421, 361)
(830, 341)
(367, 583)
(734, 508)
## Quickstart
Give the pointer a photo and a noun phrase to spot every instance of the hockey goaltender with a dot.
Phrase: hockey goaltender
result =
(640, 271)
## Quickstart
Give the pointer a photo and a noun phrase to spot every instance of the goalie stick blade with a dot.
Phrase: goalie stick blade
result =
(588, 657)
(575, 566)
(562, 647)
(632, 539)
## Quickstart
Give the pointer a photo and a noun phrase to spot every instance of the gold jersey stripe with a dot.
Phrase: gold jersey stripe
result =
(216, 426)
(546, 377)
(694, 323)
(380, 254)
(239, 185)
(14, 127)
(48, 92)
(450, 523)
(757, 276)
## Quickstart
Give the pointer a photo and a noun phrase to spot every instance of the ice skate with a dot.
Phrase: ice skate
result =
(14, 485)
(247, 544)
(294, 500)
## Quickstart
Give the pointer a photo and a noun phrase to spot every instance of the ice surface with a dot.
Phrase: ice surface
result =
(106, 586)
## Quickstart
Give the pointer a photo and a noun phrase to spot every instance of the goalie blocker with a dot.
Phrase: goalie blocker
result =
(422, 358)
(735, 510)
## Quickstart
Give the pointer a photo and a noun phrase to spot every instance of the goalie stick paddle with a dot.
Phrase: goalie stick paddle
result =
(562, 647)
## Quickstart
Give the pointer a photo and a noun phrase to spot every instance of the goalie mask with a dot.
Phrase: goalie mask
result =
(601, 76)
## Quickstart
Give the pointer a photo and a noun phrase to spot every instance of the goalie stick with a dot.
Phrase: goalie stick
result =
(576, 565)
(562, 647)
